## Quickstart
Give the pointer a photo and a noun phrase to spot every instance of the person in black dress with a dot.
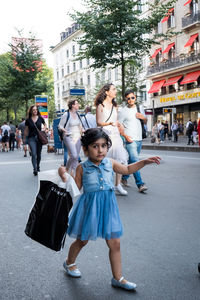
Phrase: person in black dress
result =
(34, 120)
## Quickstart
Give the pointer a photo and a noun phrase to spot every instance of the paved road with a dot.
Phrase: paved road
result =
(160, 246)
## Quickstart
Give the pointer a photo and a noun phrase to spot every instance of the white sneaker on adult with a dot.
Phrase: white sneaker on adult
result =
(119, 189)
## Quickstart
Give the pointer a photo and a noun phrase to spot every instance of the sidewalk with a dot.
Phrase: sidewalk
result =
(181, 145)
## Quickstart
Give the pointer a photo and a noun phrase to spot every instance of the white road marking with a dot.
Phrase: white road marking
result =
(19, 162)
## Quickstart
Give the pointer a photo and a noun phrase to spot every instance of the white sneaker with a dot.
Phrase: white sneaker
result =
(120, 190)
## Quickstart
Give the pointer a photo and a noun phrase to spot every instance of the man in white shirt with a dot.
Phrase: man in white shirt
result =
(89, 120)
(5, 132)
(130, 117)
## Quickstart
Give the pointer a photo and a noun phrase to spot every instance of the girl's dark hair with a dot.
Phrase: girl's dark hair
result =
(71, 102)
(91, 135)
(30, 111)
(101, 96)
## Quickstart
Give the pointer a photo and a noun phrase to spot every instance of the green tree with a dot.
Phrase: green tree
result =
(116, 33)
(27, 63)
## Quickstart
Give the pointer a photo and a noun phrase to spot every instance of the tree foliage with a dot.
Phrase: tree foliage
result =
(23, 75)
(116, 33)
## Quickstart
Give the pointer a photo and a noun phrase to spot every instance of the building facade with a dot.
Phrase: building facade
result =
(76, 74)
(174, 68)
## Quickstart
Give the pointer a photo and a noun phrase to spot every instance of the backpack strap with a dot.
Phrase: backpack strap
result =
(68, 115)
(80, 120)
(86, 121)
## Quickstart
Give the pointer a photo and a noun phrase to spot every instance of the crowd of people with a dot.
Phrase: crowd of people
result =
(162, 131)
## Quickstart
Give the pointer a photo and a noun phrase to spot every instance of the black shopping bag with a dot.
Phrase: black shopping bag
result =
(48, 219)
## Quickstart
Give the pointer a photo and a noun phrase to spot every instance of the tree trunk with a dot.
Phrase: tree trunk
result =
(7, 114)
(123, 74)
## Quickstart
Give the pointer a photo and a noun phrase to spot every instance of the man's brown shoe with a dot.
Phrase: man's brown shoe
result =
(143, 188)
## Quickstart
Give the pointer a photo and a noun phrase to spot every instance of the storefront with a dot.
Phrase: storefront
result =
(180, 106)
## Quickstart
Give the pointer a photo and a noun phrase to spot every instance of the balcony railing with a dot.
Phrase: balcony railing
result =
(191, 19)
(177, 62)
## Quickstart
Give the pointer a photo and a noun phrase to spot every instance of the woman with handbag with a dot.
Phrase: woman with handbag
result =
(106, 115)
(33, 126)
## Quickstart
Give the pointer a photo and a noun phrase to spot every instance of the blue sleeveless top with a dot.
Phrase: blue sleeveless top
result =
(97, 178)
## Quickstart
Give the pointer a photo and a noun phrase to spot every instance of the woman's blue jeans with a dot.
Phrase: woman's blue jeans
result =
(36, 149)
(133, 150)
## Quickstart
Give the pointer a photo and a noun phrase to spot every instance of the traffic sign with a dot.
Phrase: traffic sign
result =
(77, 92)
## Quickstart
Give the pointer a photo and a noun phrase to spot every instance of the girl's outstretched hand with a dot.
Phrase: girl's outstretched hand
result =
(153, 160)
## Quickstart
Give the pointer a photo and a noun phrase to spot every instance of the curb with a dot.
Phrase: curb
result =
(171, 148)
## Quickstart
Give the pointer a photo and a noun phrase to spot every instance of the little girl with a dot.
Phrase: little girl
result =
(95, 214)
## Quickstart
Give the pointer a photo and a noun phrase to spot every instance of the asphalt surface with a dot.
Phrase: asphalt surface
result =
(160, 246)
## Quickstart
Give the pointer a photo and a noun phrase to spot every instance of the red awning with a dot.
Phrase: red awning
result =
(191, 40)
(190, 77)
(156, 52)
(188, 2)
(172, 80)
(156, 86)
(168, 48)
(167, 15)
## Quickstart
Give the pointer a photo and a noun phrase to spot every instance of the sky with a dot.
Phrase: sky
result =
(45, 18)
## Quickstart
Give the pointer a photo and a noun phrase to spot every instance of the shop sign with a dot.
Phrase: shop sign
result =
(180, 97)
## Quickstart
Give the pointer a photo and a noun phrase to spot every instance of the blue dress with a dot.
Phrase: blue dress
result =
(96, 214)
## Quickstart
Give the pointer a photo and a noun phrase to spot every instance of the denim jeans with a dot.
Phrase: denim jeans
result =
(36, 149)
(133, 150)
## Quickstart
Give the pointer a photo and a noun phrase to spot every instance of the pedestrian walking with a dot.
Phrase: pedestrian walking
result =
(155, 134)
(34, 123)
(89, 120)
(194, 132)
(71, 126)
(130, 118)
(189, 130)
(166, 130)
(5, 132)
(174, 129)
(95, 214)
(21, 127)
(107, 115)
(198, 130)
(12, 136)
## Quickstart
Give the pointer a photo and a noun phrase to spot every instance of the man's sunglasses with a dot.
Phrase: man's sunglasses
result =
(129, 98)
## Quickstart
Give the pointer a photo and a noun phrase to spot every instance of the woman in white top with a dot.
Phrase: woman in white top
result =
(106, 115)
(71, 135)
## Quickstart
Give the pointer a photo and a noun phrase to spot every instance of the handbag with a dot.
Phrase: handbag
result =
(144, 133)
(41, 136)
(48, 220)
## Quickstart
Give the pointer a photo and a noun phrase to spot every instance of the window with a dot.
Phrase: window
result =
(81, 64)
(163, 90)
(195, 46)
(194, 7)
(171, 20)
(109, 75)
(88, 61)
(68, 69)
(63, 88)
(57, 75)
(159, 28)
(172, 89)
(158, 57)
(81, 81)
(62, 72)
(67, 53)
(69, 85)
(116, 74)
(103, 76)
(88, 79)
(171, 53)
(73, 49)
(74, 66)
(58, 91)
